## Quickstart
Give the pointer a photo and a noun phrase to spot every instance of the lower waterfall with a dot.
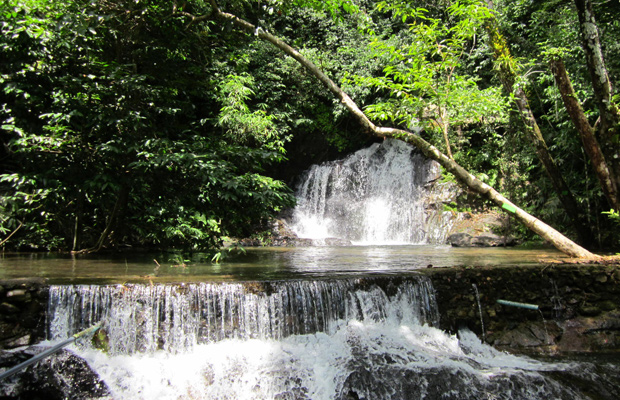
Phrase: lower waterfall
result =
(366, 338)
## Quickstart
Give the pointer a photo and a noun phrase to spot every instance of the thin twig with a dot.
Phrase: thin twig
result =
(12, 233)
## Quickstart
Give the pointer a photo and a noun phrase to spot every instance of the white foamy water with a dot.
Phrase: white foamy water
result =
(374, 196)
(321, 366)
(369, 338)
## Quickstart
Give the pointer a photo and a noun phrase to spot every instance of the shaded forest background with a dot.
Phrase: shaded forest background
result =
(136, 124)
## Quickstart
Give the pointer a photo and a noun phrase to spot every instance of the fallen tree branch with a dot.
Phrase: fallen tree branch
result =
(548, 233)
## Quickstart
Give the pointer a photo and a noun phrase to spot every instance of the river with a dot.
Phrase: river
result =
(315, 323)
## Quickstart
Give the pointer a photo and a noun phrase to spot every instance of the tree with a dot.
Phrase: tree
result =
(509, 71)
(609, 127)
(586, 131)
(473, 183)
(547, 36)
(108, 114)
(424, 74)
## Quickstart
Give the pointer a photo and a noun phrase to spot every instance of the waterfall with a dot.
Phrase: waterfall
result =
(341, 339)
(377, 195)
(141, 318)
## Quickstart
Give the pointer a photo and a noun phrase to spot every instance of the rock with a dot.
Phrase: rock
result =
(18, 295)
(18, 341)
(590, 311)
(60, 376)
(7, 308)
(335, 242)
(607, 305)
(528, 336)
(601, 278)
(23, 303)
(484, 240)
(460, 239)
(587, 334)
(477, 230)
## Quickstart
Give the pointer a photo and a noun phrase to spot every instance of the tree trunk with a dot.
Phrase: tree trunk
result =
(508, 77)
(586, 132)
(443, 117)
(561, 242)
(609, 135)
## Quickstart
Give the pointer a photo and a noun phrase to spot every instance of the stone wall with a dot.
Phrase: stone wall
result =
(579, 306)
(23, 303)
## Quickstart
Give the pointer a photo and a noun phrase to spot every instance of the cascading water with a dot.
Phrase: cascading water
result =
(369, 338)
(175, 318)
(375, 196)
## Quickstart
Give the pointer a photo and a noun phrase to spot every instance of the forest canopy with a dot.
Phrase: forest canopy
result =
(153, 124)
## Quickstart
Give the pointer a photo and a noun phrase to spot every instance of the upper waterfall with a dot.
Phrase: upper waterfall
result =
(376, 195)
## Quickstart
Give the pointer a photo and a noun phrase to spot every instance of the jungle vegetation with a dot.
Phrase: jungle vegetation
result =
(169, 124)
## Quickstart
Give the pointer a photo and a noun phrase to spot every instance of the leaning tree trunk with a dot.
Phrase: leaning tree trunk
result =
(586, 132)
(508, 76)
(609, 136)
(561, 242)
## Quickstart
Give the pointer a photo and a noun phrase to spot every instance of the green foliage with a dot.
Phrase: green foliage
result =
(124, 114)
(107, 116)
(613, 215)
(423, 82)
(537, 31)
(242, 125)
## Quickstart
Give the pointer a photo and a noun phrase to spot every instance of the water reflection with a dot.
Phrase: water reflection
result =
(259, 263)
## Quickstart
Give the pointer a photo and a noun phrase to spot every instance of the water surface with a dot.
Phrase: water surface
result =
(265, 263)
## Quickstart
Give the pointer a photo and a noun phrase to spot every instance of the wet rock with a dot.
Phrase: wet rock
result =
(528, 336)
(19, 295)
(602, 278)
(590, 311)
(483, 240)
(581, 314)
(8, 308)
(335, 242)
(22, 311)
(18, 341)
(460, 239)
(607, 305)
(60, 376)
(587, 334)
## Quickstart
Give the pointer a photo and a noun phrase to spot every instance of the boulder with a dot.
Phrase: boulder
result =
(481, 230)
(484, 240)
(63, 375)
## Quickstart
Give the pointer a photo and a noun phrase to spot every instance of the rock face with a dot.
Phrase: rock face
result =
(23, 303)
(481, 230)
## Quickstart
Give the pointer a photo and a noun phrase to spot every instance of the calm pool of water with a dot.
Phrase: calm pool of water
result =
(266, 263)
